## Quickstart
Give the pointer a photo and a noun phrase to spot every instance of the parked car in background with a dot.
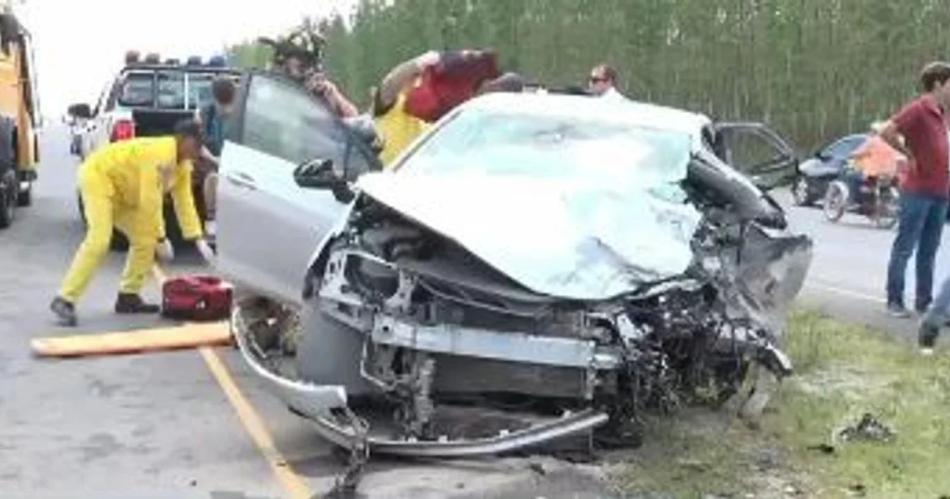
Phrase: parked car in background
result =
(826, 165)
(534, 266)
(146, 99)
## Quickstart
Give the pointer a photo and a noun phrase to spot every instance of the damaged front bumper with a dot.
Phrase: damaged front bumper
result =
(326, 407)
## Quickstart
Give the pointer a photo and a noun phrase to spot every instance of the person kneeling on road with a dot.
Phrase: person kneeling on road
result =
(123, 186)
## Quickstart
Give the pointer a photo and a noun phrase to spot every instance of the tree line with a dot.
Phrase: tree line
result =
(813, 69)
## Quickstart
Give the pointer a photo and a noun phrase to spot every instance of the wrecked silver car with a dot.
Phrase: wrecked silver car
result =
(535, 266)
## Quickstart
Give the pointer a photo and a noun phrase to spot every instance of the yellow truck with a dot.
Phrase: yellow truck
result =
(19, 117)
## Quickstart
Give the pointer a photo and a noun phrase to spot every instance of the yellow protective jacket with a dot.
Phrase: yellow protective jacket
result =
(399, 129)
(130, 173)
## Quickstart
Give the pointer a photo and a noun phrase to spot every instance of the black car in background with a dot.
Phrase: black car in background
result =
(815, 173)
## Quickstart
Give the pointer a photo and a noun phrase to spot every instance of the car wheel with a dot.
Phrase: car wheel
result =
(836, 201)
(8, 198)
(888, 208)
(800, 193)
(25, 198)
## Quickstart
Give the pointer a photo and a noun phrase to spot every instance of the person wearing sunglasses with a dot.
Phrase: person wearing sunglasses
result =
(603, 82)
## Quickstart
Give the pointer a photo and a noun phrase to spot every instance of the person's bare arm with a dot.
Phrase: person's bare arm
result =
(396, 80)
(891, 134)
(207, 156)
(344, 108)
(403, 74)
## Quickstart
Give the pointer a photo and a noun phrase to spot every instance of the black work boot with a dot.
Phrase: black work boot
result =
(65, 312)
(927, 337)
(129, 303)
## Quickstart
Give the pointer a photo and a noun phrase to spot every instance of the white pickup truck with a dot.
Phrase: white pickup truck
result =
(146, 100)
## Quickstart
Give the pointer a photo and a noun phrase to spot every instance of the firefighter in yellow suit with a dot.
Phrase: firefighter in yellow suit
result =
(123, 186)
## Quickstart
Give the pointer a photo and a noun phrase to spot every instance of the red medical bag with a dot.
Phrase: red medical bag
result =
(196, 298)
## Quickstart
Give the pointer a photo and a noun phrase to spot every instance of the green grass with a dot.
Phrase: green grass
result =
(843, 371)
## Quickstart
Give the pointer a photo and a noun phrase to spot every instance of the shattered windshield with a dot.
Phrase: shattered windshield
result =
(554, 147)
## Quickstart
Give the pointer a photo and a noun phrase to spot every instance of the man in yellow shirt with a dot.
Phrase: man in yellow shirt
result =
(395, 124)
(123, 186)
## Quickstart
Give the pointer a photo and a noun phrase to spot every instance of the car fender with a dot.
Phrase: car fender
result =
(320, 254)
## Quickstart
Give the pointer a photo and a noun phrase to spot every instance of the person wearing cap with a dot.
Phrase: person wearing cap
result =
(123, 185)
(303, 67)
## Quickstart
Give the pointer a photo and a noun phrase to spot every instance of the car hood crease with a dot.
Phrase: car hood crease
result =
(573, 240)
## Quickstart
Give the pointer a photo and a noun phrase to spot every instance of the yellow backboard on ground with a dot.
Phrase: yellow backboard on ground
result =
(147, 340)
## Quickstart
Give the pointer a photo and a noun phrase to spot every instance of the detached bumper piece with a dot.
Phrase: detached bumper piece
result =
(339, 432)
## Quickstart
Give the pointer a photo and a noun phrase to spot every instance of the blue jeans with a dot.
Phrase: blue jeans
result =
(939, 312)
(920, 226)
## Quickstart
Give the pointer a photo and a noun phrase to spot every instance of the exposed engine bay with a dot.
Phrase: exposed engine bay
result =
(411, 344)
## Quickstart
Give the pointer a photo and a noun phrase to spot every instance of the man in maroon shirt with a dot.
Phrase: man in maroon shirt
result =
(919, 130)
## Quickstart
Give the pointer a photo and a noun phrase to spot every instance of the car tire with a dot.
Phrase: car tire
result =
(7, 202)
(889, 213)
(25, 198)
(801, 194)
(836, 201)
(8, 198)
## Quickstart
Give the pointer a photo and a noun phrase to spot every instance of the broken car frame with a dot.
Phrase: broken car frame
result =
(537, 266)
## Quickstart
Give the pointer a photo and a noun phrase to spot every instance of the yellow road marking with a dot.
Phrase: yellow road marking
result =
(295, 487)
(292, 483)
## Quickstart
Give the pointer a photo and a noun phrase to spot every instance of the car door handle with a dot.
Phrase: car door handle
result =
(242, 180)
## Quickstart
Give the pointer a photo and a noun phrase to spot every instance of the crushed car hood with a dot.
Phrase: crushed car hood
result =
(558, 238)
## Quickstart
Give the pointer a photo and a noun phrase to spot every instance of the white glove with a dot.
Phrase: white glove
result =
(165, 251)
(205, 249)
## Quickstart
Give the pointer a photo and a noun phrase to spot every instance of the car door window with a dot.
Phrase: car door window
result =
(282, 120)
(843, 148)
(749, 150)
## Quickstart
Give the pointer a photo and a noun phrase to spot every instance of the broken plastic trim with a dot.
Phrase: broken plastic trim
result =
(305, 397)
(567, 425)
(316, 403)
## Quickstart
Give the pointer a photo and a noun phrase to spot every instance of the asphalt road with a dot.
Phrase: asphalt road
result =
(848, 272)
(161, 424)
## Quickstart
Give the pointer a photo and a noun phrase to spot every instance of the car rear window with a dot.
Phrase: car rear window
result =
(171, 90)
(199, 90)
(165, 89)
(138, 89)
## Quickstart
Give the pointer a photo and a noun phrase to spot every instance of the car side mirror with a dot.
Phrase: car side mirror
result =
(822, 155)
(322, 173)
(82, 111)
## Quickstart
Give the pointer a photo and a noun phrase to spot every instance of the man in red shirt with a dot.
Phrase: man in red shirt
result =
(919, 131)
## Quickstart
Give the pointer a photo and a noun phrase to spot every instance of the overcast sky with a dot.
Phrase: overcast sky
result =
(80, 44)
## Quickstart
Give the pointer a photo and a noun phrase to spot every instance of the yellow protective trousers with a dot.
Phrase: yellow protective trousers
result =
(103, 214)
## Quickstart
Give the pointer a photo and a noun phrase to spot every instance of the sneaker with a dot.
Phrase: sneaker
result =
(897, 310)
(129, 303)
(927, 338)
(65, 312)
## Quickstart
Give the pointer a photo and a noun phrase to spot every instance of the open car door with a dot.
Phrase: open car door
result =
(757, 151)
(267, 225)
